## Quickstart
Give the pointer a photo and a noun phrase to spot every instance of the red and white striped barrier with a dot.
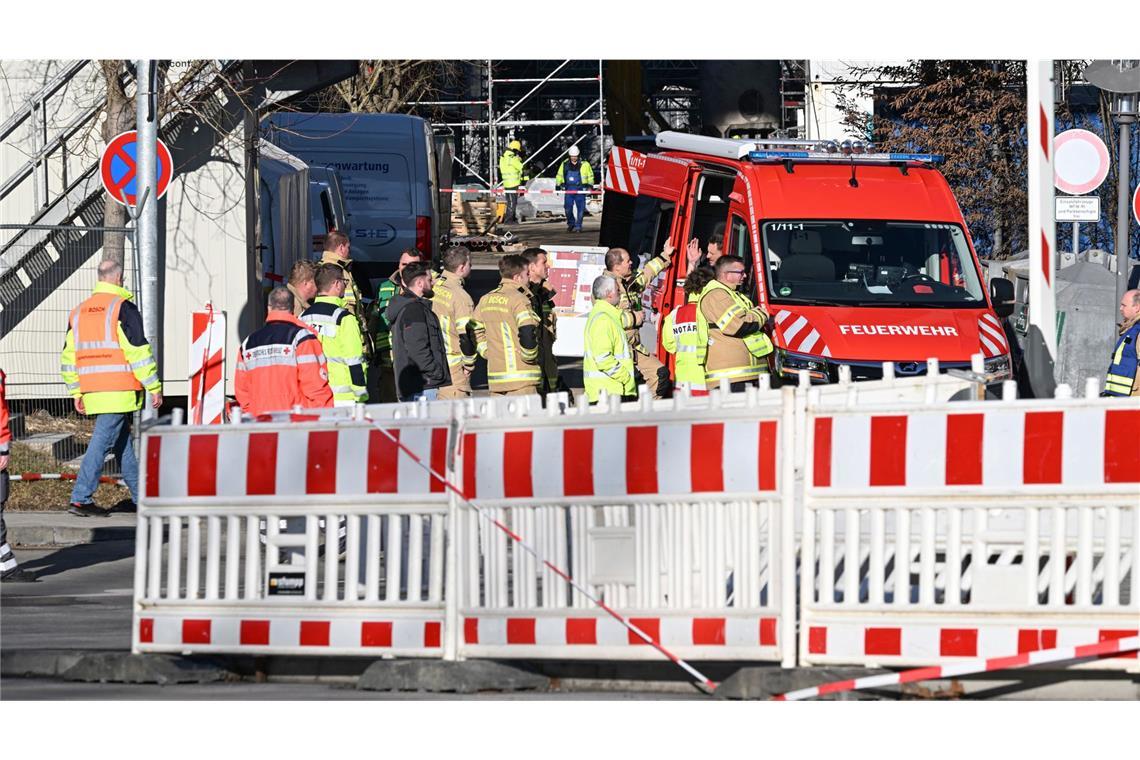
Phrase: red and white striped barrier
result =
(607, 460)
(915, 642)
(1027, 659)
(290, 462)
(207, 366)
(359, 633)
(997, 447)
(31, 477)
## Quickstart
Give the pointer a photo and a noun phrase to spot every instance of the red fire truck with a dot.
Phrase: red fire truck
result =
(858, 257)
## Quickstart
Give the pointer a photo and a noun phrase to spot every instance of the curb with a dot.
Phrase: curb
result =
(767, 682)
(46, 529)
(461, 677)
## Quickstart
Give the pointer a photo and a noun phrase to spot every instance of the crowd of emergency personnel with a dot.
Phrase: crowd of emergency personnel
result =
(422, 336)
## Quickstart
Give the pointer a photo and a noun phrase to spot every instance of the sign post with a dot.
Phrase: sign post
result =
(1041, 341)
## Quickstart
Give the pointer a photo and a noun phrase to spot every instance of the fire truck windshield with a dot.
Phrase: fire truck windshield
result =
(870, 263)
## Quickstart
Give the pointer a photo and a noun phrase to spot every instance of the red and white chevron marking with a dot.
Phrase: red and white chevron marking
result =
(992, 336)
(622, 460)
(242, 461)
(207, 366)
(623, 167)
(795, 333)
(1004, 447)
(715, 632)
(1107, 646)
(318, 632)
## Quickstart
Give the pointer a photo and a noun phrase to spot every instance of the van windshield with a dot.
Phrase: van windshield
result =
(870, 263)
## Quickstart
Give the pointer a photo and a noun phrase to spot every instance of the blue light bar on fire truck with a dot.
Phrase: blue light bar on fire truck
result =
(803, 155)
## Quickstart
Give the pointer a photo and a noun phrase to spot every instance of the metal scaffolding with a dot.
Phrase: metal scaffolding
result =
(498, 115)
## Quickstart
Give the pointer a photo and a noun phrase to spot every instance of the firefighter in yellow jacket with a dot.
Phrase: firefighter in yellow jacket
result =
(737, 346)
(607, 360)
(340, 337)
(455, 309)
(507, 332)
(108, 368)
(631, 287)
(542, 301)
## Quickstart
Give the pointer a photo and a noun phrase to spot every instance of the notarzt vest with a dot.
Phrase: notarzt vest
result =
(682, 335)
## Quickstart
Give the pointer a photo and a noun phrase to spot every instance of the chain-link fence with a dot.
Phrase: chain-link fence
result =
(44, 273)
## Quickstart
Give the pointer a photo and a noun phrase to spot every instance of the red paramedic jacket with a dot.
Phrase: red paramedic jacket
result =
(282, 366)
(5, 433)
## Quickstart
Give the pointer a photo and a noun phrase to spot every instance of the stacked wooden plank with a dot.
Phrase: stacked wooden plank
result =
(472, 217)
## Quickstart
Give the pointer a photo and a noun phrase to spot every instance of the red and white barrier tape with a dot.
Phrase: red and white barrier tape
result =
(1026, 659)
(701, 679)
(29, 477)
(519, 191)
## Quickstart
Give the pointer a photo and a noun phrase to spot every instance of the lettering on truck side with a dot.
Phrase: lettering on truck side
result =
(898, 330)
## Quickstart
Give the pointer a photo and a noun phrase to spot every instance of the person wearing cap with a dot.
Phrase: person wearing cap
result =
(511, 173)
(575, 177)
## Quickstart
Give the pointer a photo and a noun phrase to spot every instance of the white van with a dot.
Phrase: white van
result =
(387, 167)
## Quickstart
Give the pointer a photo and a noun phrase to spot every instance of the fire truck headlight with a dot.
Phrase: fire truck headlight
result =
(790, 364)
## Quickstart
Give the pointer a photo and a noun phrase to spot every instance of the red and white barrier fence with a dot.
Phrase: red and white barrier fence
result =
(519, 191)
(932, 532)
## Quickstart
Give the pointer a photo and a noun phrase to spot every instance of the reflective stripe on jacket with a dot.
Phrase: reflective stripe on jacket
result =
(343, 347)
(280, 366)
(507, 335)
(607, 360)
(106, 359)
(1122, 379)
(731, 320)
(685, 336)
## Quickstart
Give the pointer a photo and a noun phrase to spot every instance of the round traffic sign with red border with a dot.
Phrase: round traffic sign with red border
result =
(1136, 204)
(1080, 161)
(117, 167)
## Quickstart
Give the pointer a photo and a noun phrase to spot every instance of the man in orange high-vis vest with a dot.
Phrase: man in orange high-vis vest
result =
(108, 366)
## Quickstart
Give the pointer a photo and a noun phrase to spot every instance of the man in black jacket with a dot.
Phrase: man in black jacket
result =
(418, 355)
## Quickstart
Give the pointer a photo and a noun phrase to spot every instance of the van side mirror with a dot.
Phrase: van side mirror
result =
(1001, 294)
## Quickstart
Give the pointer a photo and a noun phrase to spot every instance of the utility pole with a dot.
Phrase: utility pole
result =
(1041, 342)
(146, 105)
(1121, 77)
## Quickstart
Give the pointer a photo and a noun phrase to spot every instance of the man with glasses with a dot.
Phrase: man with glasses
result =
(737, 346)
(340, 337)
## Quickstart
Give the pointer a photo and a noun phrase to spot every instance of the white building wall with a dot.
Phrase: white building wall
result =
(203, 213)
(828, 80)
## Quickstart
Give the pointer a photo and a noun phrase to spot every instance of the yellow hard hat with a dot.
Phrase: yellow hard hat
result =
(514, 145)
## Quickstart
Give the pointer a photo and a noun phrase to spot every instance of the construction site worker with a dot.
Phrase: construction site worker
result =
(107, 365)
(607, 360)
(339, 333)
(631, 286)
(453, 306)
(281, 365)
(381, 330)
(417, 338)
(511, 173)
(542, 301)
(576, 177)
(736, 344)
(1123, 375)
(507, 332)
(10, 570)
(686, 337)
(303, 285)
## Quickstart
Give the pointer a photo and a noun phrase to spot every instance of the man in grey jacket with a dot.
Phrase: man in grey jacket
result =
(418, 355)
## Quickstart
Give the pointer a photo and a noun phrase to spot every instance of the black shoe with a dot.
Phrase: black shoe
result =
(18, 575)
(126, 506)
(86, 509)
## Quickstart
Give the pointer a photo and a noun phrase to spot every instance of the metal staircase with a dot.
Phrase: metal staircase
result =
(44, 251)
(793, 99)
